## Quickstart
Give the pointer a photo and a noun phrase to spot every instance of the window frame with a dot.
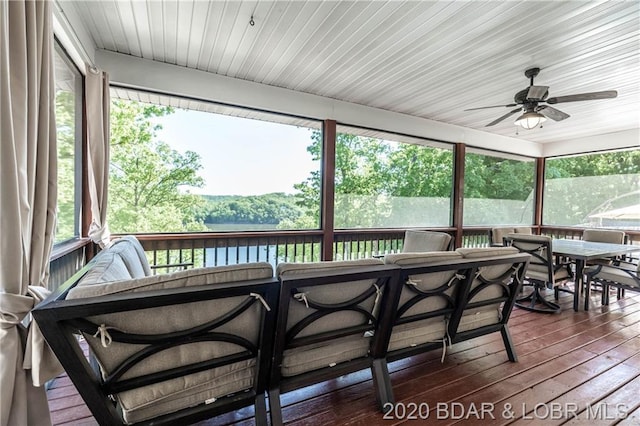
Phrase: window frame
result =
(402, 138)
(508, 156)
(61, 52)
(178, 101)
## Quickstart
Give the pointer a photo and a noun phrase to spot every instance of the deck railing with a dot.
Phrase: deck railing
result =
(171, 252)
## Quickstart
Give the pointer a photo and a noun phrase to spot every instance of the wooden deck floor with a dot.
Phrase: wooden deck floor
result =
(585, 363)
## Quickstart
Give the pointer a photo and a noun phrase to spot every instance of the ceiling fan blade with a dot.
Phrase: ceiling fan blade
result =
(507, 115)
(607, 94)
(552, 113)
(492, 106)
(537, 93)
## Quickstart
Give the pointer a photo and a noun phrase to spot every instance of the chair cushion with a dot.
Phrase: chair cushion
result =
(476, 318)
(328, 294)
(481, 252)
(416, 258)
(421, 241)
(523, 230)
(288, 269)
(123, 259)
(425, 282)
(325, 354)
(163, 398)
(497, 234)
(132, 254)
(108, 268)
(541, 273)
(98, 281)
(417, 333)
(174, 394)
(620, 275)
(604, 236)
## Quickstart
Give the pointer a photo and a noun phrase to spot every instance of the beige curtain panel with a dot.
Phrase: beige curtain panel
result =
(28, 204)
(98, 101)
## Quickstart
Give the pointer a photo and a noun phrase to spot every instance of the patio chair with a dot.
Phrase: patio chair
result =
(424, 241)
(623, 276)
(605, 236)
(497, 234)
(166, 349)
(448, 297)
(427, 301)
(492, 295)
(330, 322)
(542, 271)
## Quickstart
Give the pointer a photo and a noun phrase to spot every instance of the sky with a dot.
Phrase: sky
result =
(240, 156)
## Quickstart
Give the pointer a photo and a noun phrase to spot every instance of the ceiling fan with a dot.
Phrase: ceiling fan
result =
(532, 99)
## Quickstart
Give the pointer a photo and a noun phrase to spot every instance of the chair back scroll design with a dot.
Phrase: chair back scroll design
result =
(487, 305)
(427, 301)
(331, 319)
(152, 350)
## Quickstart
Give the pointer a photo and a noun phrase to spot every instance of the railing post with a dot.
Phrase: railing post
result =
(328, 187)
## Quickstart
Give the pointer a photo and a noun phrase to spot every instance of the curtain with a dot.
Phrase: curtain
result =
(28, 161)
(98, 101)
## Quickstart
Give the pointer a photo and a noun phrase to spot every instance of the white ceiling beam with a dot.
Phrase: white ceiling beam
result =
(617, 140)
(171, 79)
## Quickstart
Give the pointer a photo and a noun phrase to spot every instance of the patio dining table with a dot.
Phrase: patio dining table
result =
(583, 251)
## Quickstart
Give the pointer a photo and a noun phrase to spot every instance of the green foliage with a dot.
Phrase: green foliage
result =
(577, 187)
(417, 171)
(604, 164)
(377, 184)
(265, 209)
(148, 179)
(65, 135)
(498, 178)
(376, 181)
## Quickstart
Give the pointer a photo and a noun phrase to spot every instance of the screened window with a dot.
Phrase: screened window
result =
(180, 165)
(68, 92)
(594, 190)
(386, 180)
(498, 189)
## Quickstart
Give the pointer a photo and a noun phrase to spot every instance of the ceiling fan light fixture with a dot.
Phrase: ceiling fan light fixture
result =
(530, 120)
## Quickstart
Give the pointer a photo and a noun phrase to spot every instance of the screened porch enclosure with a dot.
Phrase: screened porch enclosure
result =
(231, 132)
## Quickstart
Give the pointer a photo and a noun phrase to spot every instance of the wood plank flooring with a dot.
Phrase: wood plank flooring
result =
(574, 368)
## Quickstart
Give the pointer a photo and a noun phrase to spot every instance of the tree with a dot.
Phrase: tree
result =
(359, 176)
(576, 187)
(388, 184)
(149, 181)
(267, 209)
(492, 177)
(65, 135)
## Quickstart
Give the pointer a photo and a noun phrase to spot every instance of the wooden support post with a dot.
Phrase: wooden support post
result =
(328, 174)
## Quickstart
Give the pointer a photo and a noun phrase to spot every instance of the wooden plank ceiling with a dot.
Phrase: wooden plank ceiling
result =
(430, 59)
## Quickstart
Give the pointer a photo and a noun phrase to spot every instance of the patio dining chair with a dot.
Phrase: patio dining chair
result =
(604, 236)
(542, 272)
(611, 236)
(425, 241)
(623, 276)
(497, 234)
